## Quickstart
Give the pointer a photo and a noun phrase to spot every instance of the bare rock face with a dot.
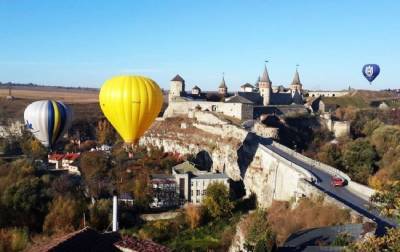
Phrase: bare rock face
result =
(231, 149)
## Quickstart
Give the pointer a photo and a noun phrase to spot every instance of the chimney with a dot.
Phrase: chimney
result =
(115, 214)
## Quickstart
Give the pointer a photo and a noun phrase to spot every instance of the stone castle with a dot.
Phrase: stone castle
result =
(248, 103)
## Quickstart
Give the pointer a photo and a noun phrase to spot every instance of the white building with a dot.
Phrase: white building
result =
(247, 87)
(192, 183)
(200, 182)
(67, 162)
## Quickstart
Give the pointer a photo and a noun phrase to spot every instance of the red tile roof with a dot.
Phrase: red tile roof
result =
(140, 245)
(69, 156)
(72, 156)
(56, 157)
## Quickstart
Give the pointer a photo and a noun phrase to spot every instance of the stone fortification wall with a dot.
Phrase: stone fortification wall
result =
(363, 191)
(264, 131)
(237, 110)
(327, 93)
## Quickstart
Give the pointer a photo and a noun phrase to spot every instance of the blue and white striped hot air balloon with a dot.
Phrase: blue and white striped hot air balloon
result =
(47, 120)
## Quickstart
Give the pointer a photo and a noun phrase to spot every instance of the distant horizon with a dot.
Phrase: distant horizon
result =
(187, 89)
(69, 43)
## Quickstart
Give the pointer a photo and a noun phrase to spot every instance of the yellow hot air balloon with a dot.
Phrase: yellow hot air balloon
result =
(131, 104)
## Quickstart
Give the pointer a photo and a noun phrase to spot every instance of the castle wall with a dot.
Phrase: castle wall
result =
(327, 93)
(236, 110)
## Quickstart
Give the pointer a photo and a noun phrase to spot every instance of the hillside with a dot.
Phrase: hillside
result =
(359, 98)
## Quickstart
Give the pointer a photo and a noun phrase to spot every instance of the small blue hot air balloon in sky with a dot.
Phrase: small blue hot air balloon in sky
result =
(370, 72)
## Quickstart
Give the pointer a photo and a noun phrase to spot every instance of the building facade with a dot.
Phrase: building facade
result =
(187, 184)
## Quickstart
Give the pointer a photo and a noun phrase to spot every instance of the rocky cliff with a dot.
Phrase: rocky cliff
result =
(231, 149)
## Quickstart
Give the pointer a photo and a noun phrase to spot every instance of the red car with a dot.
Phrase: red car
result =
(338, 181)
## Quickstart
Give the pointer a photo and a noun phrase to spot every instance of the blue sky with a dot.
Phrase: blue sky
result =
(83, 43)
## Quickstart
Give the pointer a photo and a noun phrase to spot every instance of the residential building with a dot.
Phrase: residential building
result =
(193, 183)
(126, 199)
(186, 184)
(68, 162)
(164, 191)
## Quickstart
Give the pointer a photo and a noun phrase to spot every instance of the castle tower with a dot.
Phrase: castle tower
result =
(177, 87)
(223, 89)
(296, 84)
(264, 85)
(296, 88)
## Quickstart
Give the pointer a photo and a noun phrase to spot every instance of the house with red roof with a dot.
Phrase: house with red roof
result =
(68, 162)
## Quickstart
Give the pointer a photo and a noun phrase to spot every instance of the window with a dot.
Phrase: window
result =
(191, 192)
(204, 192)
(191, 184)
(197, 192)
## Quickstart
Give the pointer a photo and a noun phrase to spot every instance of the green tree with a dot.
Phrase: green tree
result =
(371, 126)
(385, 138)
(32, 147)
(27, 201)
(258, 232)
(217, 201)
(100, 214)
(388, 200)
(359, 158)
(331, 154)
(96, 171)
(389, 242)
(14, 239)
(65, 216)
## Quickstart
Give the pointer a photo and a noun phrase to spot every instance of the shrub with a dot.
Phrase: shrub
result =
(217, 201)
(359, 157)
(64, 216)
(258, 233)
(15, 239)
(308, 214)
(194, 215)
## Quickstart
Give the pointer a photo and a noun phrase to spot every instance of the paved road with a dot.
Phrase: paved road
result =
(340, 193)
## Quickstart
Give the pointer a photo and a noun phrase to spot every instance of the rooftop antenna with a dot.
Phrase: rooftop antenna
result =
(297, 67)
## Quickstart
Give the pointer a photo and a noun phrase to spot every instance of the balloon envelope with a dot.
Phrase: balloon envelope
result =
(47, 120)
(131, 104)
(371, 71)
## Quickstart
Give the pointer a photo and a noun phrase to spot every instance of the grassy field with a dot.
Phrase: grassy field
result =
(73, 95)
(358, 99)
(84, 102)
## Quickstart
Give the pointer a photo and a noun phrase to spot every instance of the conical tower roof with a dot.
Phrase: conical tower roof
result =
(178, 78)
(223, 84)
(265, 77)
(296, 78)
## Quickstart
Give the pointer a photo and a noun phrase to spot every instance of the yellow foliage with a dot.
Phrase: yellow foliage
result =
(193, 215)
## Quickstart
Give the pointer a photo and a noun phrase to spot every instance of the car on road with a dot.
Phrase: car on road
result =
(337, 181)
